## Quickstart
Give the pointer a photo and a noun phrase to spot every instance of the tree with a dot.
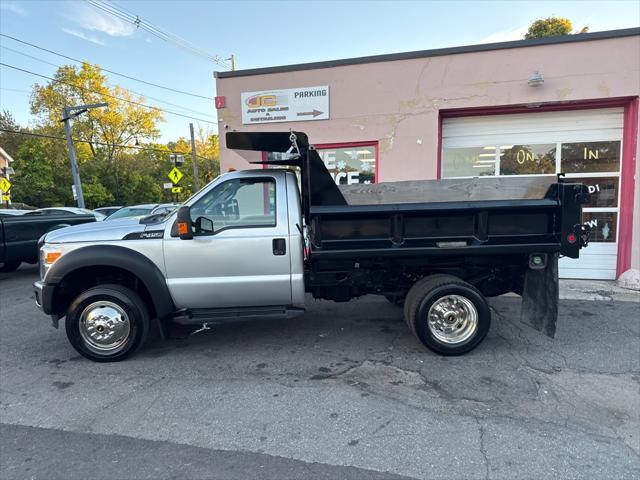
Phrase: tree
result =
(34, 181)
(106, 130)
(10, 141)
(551, 27)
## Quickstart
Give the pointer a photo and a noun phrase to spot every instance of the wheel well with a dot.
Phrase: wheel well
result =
(84, 278)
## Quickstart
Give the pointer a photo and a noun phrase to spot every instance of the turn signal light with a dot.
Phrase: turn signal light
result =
(53, 256)
(571, 238)
(182, 228)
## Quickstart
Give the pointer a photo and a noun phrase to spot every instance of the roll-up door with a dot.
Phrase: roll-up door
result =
(584, 144)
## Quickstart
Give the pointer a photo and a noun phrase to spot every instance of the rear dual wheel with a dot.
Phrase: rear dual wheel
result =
(448, 315)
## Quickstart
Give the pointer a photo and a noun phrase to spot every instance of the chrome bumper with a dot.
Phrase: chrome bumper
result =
(37, 290)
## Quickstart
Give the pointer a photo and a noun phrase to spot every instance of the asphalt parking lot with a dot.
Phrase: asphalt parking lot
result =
(342, 392)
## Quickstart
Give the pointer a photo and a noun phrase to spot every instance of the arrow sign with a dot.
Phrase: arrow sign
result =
(302, 104)
(315, 113)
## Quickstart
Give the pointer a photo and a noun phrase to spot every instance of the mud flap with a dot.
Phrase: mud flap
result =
(540, 298)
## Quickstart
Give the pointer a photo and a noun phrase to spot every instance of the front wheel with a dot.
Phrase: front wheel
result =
(107, 323)
(448, 315)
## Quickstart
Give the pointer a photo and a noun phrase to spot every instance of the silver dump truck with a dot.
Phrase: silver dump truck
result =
(252, 243)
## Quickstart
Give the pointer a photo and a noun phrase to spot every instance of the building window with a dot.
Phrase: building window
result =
(469, 162)
(590, 157)
(527, 159)
(348, 163)
(492, 160)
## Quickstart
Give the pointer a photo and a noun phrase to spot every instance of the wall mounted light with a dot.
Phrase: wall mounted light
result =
(536, 79)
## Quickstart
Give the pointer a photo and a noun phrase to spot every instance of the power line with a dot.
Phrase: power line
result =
(107, 70)
(111, 85)
(107, 94)
(134, 19)
(104, 144)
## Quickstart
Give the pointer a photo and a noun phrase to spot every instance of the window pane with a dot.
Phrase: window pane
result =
(469, 162)
(590, 157)
(350, 165)
(603, 225)
(238, 203)
(527, 159)
(603, 190)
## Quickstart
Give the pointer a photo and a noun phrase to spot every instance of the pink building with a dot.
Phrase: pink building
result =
(532, 107)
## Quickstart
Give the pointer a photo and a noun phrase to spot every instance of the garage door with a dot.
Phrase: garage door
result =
(586, 145)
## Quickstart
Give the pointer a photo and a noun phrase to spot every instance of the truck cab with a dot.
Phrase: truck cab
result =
(247, 244)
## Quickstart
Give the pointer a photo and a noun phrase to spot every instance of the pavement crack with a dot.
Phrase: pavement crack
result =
(483, 449)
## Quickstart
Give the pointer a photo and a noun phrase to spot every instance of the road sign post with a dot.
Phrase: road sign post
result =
(194, 158)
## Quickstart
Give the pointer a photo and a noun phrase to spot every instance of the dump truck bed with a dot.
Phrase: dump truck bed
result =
(479, 216)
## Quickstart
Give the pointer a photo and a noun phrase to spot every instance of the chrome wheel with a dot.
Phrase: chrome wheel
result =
(453, 319)
(104, 326)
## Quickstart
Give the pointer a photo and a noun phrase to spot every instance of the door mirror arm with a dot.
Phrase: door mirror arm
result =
(185, 226)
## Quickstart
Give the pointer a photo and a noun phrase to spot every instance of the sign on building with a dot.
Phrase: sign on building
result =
(287, 105)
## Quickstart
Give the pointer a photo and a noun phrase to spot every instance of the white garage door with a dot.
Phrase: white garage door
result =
(584, 144)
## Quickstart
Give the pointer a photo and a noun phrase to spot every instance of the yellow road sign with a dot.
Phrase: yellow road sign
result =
(5, 184)
(176, 189)
(175, 175)
(6, 198)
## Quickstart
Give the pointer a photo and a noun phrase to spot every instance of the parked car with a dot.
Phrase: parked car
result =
(164, 208)
(142, 210)
(107, 210)
(19, 235)
(12, 211)
(51, 211)
(250, 245)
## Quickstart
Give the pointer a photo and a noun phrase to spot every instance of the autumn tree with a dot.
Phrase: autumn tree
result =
(551, 27)
(106, 131)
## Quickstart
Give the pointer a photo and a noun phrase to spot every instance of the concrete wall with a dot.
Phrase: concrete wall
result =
(397, 102)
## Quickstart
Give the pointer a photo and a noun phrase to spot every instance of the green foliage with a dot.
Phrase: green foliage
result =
(551, 27)
(10, 143)
(110, 172)
(33, 183)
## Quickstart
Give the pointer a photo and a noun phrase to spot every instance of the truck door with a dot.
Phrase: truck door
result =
(240, 255)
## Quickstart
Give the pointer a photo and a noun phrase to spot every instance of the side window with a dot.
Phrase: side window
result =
(238, 203)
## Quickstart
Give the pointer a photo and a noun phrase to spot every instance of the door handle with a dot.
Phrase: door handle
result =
(279, 246)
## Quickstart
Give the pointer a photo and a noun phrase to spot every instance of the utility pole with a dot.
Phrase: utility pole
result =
(194, 157)
(69, 113)
(232, 58)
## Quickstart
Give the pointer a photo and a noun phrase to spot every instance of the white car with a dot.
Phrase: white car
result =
(67, 210)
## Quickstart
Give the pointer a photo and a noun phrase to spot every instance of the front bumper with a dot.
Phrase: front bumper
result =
(44, 296)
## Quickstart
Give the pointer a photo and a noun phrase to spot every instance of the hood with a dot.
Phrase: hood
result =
(99, 231)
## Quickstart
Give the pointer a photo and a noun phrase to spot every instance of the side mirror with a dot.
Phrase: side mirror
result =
(185, 227)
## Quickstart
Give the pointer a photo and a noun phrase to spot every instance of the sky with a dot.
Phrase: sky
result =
(259, 34)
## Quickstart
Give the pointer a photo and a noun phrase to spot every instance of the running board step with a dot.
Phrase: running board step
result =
(199, 316)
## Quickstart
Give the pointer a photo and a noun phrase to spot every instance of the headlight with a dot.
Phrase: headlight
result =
(48, 256)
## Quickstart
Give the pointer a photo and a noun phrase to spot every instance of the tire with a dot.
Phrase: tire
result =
(458, 323)
(10, 266)
(107, 307)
